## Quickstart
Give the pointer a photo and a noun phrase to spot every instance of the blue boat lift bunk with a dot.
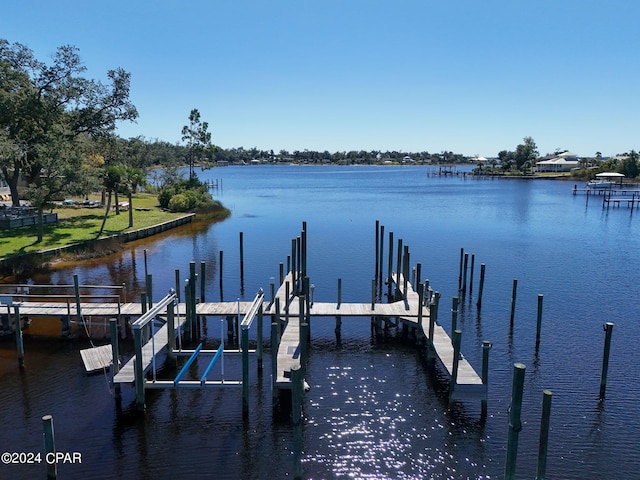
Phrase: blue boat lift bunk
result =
(137, 368)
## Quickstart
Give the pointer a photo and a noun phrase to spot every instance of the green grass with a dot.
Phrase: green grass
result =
(77, 224)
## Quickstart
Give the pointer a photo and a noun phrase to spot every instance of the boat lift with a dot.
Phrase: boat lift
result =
(145, 354)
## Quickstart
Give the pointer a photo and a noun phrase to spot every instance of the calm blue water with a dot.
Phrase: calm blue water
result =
(374, 410)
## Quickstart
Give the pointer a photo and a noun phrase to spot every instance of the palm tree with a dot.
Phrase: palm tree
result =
(111, 181)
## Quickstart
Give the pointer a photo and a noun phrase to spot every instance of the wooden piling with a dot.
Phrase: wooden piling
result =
(260, 334)
(608, 328)
(241, 263)
(473, 261)
(454, 314)
(481, 287)
(456, 339)
(297, 391)
(373, 293)
(390, 267)
(433, 318)
(486, 347)
(377, 252)
(115, 354)
(275, 342)
(539, 319)
(177, 273)
(515, 424)
(514, 291)
(49, 446)
(138, 369)
(544, 435)
(303, 335)
(203, 283)
(220, 268)
(380, 263)
(399, 263)
(460, 271)
(19, 339)
(464, 274)
(244, 346)
(76, 289)
(149, 287)
(405, 270)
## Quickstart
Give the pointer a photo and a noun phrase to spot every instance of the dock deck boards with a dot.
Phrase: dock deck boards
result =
(96, 358)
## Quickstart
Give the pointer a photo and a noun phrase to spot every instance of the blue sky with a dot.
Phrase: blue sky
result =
(471, 76)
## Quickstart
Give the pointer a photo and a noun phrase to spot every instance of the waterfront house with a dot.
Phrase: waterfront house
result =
(561, 162)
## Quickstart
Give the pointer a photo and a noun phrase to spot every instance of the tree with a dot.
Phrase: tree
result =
(629, 166)
(526, 154)
(40, 101)
(196, 136)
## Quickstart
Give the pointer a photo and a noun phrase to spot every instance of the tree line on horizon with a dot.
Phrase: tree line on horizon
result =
(57, 139)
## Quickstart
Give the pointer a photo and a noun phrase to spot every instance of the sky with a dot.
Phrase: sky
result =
(470, 76)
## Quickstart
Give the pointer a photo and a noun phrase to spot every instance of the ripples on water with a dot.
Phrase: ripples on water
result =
(374, 410)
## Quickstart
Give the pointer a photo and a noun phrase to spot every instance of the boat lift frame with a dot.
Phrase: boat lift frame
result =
(169, 303)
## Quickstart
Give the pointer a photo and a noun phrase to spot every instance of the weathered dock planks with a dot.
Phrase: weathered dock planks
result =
(96, 358)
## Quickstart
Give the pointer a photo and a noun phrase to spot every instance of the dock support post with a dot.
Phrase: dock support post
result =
(294, 275)
(514, 291)
(245, 371)
(303, 336)
(220, 267)
(486, 347)
(454, 314)
(420, 302)
(260, 346)
(202, 280)
(275, 343)
(178, 284)
(433, 318)
(303, 250)
(544, 435)
(464, 274)
(377, 252)
(379, 273)
(49, 446)
(390, 272)
(138, 368)
(272, 289)
(399, 266)
(281, 273)
(473, 261)
(418, 275)
(460, 271)
(373, 293)
(457, 338)
(192, 293)
(241, 263)
(539, 319)
(171, 330)
(406, 270)
(479, 302)
(115, 355)
(149, 287)
(76, 289)
(19, 339)
(515, 424)
(608, 328)
(297, 391)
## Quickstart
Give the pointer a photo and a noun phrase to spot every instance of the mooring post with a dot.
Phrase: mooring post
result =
(220, 267)
(149, 286)
(138, 368)
(608, 328)
(420, 302)
(298, 264)
(19, 340)
(171, 329)
(49, 446)
(306, 287)
(473, 261)
(275, 342)
(405, 271)
(281, 268)
(460, 271)
(241, 259)
(514, 291)
(187, 307)
(303, 246)
(454, 314)
(380, 263)
(76, 289)
(433, 318)
(339, 292)
(192, 293)
(399, 266)
(479, 302)
(373, 293)
(202, 281)
(178, 284)
(457, 338)
(486, 347)
(544, 435)
(294, 277)
(303, 335)
(464, 274)
(272, 289)
(115, 355)
(259, 340)
(539, 319)
(146, 270)
(297, 390)
(244, 345)
(418, 275)
(390, 271)
(377, 252)
(515, 424)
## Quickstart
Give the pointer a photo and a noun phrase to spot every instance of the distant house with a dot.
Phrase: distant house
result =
(562, 162)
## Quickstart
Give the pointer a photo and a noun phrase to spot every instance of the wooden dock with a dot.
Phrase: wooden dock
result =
(96, 359)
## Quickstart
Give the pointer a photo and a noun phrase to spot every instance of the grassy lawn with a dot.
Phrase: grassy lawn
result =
(76, 224)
